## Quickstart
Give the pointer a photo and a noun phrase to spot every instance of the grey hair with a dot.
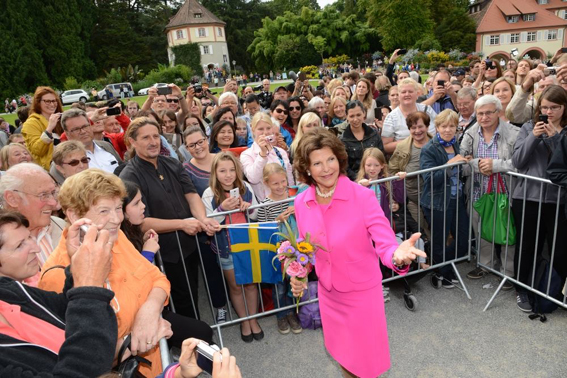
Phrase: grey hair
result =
(414, 75)
(467, 91)
(225, 95)
(72, 113)
(316, 101)
(14, 177)
(488, 100)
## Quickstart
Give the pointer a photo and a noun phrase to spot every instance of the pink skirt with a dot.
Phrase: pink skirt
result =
(355, 331)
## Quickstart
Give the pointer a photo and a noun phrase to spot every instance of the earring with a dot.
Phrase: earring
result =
(308, 173)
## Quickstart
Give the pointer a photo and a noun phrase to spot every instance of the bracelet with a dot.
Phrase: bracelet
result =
(262, 156)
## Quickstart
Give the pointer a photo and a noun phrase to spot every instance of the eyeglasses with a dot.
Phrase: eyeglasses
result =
(172, 100)
(43, 197)
(199, 143)
(50, 102)
(79, 130)
(75, 162)
(487, 114)
(295, 108)
(553, 108)
(279, 111)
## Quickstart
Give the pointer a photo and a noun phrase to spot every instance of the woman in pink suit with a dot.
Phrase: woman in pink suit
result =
(347, 221)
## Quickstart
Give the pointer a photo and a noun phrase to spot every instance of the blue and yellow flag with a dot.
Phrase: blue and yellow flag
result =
(253, 249)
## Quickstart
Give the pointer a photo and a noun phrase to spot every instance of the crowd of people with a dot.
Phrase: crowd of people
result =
(159, 177)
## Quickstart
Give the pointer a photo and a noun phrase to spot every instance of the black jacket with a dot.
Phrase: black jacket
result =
(90, 332)
(557, 167)
(355, 148)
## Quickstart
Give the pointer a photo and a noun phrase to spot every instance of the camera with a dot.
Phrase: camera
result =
(550, 71)
(198, 88)
(113, 111)
(257, 88)
(440, 83)
(205, 354)
(162, 91)
(270, 138)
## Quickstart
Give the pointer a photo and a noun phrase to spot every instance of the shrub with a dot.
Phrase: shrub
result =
(87, 85)
(141, 84)
(312, 72)
(165, 74)
(70, 83)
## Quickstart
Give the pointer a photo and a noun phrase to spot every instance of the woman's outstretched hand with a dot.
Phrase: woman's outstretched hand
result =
(407, 252)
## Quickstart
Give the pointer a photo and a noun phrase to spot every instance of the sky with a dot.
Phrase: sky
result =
(322, 3)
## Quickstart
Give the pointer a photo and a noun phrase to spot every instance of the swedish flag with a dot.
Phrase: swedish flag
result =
(253, 249)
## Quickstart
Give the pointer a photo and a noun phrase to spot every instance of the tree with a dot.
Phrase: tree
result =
(190, 55)
(319, 43)
(456, 31)
(400, 22)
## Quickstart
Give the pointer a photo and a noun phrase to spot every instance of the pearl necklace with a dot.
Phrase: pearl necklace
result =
(325, 195)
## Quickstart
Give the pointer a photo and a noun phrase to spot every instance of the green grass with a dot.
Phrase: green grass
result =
(11, 118)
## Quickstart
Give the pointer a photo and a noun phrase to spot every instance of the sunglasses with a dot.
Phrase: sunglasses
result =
(75, 162)
(173, 100)
(295, 108)
(491, 68)
(279, 111)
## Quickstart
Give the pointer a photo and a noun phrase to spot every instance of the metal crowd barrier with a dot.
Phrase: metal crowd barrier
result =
(519, 249)
(473, 245)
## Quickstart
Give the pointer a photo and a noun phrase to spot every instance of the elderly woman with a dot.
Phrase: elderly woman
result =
(504, 90)
(318, 104)
(226, 100)
(490, 142)
(309, 121)
(406, 158)
(363, 94)
(69, 158)
(534, 144)
(345, 219)
(43, 333)
(443, 198)
(395, 128)
(358, 136)
(262, 152)
(42, 127)
(141, 290)
(13, 154)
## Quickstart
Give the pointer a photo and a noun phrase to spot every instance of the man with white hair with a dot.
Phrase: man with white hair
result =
(28, 189)
(490, 143)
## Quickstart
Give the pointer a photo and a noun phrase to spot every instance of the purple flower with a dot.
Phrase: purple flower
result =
(302, 259)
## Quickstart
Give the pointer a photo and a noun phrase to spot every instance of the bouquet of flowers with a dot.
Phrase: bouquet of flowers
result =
(296, 255)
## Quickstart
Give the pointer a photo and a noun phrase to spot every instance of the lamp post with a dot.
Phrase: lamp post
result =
(234, 66)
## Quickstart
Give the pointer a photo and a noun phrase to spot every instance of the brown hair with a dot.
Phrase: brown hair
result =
(38, 95)
(216, 187)
(11, 217)
(84, 189)
(557, 95)
(412, 119)
(367, 100)
(313, 141)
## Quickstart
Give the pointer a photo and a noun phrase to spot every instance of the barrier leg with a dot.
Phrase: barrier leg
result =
(164, 353)
(460, 280)
(496, 292)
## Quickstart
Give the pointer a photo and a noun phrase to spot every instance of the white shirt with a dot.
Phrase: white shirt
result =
(102, 160)
(395, 123)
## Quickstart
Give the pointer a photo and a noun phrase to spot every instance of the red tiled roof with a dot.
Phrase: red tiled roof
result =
(554, 4)
(495, 18)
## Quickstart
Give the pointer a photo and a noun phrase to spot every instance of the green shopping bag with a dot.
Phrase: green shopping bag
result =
(494, 212)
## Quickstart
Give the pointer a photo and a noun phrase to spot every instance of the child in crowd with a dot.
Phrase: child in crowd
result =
(275, 179)
(241, 131)
(226, 175)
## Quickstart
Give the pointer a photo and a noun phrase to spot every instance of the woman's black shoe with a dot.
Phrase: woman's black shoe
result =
(246, 338)
(258, 336)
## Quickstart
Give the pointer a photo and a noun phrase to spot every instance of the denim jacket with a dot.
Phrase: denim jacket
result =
(433, 154)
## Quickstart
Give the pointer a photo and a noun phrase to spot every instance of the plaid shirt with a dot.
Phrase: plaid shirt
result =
(486, 150)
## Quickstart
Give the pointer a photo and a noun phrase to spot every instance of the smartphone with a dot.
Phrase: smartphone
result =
(205, 354)
(162, 91)
(302, 76)
(378, 113)
(440, 83)
(543, 118)
(402, 51)
(234, 193)
(564, 50)
(113, 111)
(489, 63)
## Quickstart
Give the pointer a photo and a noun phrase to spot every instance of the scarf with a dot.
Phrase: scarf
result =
(444, 143)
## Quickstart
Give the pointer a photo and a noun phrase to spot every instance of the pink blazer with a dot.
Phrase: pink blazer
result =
(346, 230)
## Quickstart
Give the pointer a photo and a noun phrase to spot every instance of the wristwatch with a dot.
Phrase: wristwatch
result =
(49, 135)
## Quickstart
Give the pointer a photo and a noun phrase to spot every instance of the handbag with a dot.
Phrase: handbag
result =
(497, 224)
(129, 367)
(309, 315)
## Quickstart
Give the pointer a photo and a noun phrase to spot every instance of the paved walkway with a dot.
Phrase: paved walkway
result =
(448, 336)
